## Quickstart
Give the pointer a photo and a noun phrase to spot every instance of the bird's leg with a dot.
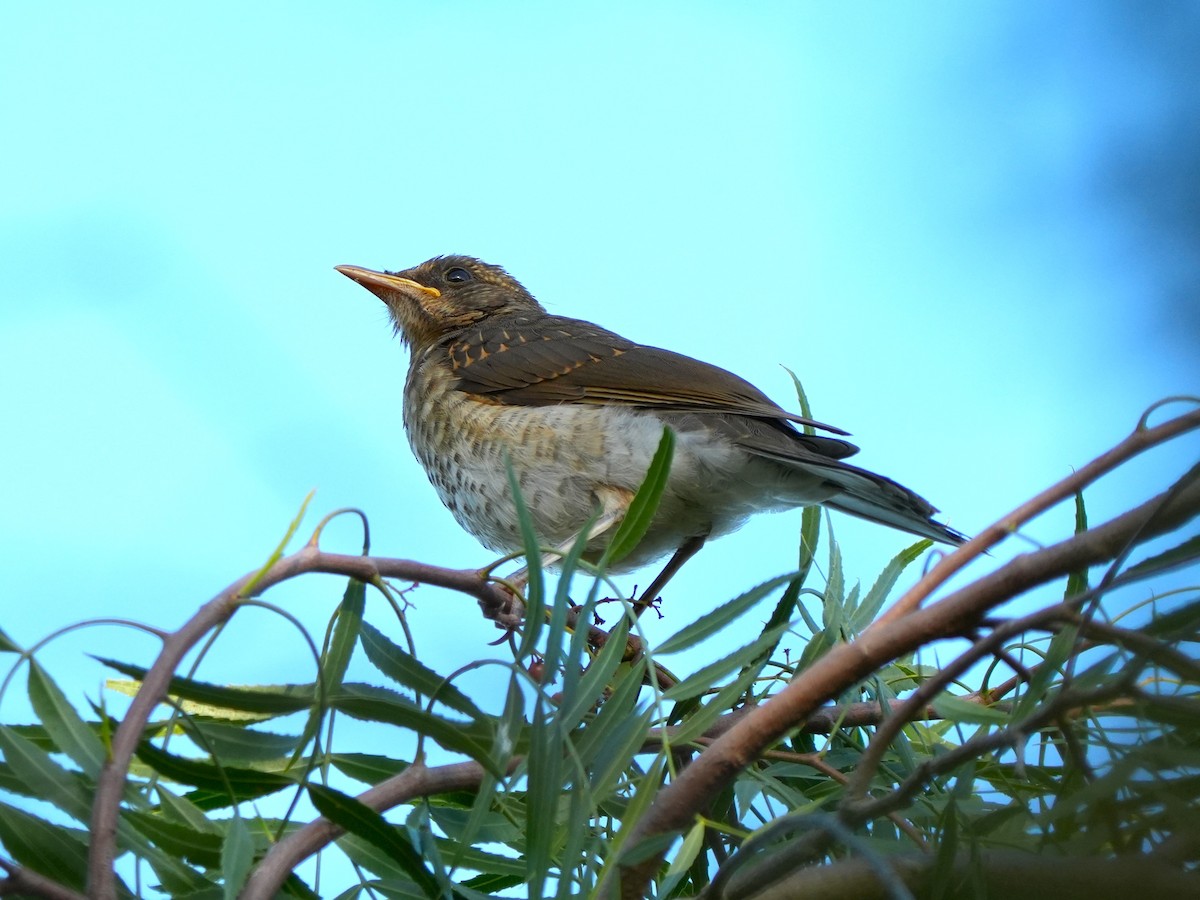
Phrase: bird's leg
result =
(614, 503)
(686, 551)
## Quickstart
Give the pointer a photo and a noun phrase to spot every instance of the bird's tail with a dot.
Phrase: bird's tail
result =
(878, 499)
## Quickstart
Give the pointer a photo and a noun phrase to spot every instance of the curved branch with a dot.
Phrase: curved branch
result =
(25, 882)
(1003, 874)
(415, 781)
(111, 783)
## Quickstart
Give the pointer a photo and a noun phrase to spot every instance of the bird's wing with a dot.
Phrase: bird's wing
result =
(560, 360)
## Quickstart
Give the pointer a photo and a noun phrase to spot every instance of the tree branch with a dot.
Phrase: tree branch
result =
(25, 882)
(998, 874)
(415, 781)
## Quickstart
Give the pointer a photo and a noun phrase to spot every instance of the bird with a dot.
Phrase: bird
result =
(495, 380)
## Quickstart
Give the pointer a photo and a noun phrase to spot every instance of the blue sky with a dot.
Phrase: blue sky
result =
(903, 203)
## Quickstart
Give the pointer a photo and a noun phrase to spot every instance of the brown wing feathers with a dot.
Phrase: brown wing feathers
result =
(570, 361)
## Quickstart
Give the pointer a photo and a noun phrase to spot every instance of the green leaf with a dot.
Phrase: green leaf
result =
(802, 399)
(959, 710)
(535, 596)
(581, 695)
(710, 623)
(373, 704)
(187, 843)
(545, 767)
(700, 720)
(644, 504)
(707, 677)
(237, 856)
(1182, 623)
(359, 819)
(368, 768)
(810, 536)
(246, 784)
(1182, 555)
(335, 657)
(605, 744)
(43, 777)
(689, 851)
(272, 700)
(1077, 580)
(56, 852)
(406, 670)
(64, 725)
(181, 811)
(239, 744)
(488, 883)
(345, 633)
(833, 609)
(7, 644)
(873, 602)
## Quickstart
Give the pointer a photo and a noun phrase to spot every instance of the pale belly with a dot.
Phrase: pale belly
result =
(560, 457)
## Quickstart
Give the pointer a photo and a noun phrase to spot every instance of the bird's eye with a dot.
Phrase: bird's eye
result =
(457, 275)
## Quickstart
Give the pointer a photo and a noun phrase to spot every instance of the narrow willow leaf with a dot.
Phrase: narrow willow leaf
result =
(345, 633)
(802, 399)
(545, 767)
(494, 863)
(363, 853)
(699, 721)
(43, 777)
(645, 502)
(368, 768)
(246, 784)
(789, 603)
(361, 820)
(590, 741)
(1077, 580)
(1058, 651)
(587, 690)
(488, 883)
(834, 607)
(510, 725)
(1182, 555)
(7, 644)
(192, 845)
(712, 622)
(237, 856)
(406, 670)
(689, 851)
(463, 831)
(1178, 624)
(70, 733)
(335, 658)
(374, 704)
(181, 811)
(57, 852)
(535, 597)
(239, 745)
(810, 536)
(270, 699)
(883, 585)
(959, 710)
(644, 793)
(707, 677)
(277, 553)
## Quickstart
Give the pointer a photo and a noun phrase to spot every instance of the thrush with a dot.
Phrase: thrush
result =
(578, 411)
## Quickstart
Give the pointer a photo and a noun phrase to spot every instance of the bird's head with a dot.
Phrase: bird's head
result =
(443, 296)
